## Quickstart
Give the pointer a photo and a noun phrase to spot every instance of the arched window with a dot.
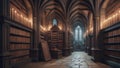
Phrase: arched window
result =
(78, 34)
(54, 22)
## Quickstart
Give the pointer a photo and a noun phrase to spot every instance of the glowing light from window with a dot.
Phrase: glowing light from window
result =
(78, 33)
(55, 22)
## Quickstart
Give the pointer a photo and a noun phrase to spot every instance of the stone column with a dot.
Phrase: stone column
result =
(96, 52)
(66, 48)
(4, 8)
(66, 40)
(4, 35)
(96, 27)
(99, 16)
(69, 41)
(36, 38)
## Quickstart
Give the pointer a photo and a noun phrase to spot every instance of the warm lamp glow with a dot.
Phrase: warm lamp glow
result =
(85, 34)
(43, 28)
(116, 14)
(60, 27)
(20, 17)
(91, 29)
(15, 11)
(49, 28)
(113, 16)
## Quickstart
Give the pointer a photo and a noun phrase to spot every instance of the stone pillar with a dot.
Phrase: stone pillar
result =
(36, 38)
(98, 18)
(69, 41)
(95, 49)
(66, 35)
(96, 52)
(4, 8)
(66, 48)
(102, 18)
(4, 35)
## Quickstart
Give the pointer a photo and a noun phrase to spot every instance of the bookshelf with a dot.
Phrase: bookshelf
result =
(19, 45)
(56, 42)
(111, 42)
(19, 42)
(19, 34)
(16, 43)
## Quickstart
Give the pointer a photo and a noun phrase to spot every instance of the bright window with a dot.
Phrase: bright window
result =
(55, 21)
(78, 34)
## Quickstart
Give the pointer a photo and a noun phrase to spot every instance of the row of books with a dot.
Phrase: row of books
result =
(55, 38)
(55, 33)
(19, 32)
(117, 47)
(113, 36)
(56, 41)
(112, 58)
(19, 16)
(113, 53)
(19, 53)
(19, 39)
(19, 46)
(113, 40)
(112, 18)
(113, 33)
(19, 60)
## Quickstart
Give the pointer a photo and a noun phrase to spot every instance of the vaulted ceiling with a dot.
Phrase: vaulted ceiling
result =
(68, 11)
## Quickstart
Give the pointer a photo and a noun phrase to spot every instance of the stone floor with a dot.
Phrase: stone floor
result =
(76, 60)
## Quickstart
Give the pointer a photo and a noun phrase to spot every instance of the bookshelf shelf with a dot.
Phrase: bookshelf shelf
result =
(111, 42)
(118, 58)
(20, 35)
(112, 36)
(116, 50)
(19, 43)
(18, 50)
(18, 57)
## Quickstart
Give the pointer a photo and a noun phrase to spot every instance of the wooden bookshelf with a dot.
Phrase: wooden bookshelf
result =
(19, 45)
(16, 43)
(56, 42)
(111, 42)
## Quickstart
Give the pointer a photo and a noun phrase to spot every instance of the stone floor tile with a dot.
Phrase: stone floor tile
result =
(76, 60)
